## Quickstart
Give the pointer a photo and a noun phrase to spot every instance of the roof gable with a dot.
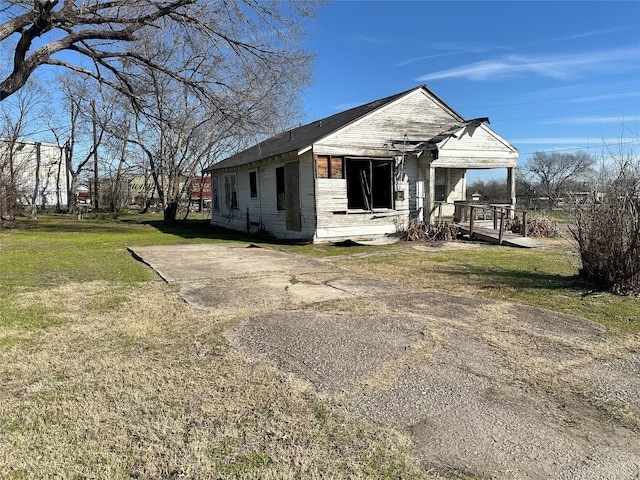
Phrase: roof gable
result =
(304, 136)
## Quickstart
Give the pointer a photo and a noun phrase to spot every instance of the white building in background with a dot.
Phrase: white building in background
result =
(40, 172)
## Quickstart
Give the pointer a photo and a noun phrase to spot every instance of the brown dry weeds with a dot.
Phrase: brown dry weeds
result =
(148, 388)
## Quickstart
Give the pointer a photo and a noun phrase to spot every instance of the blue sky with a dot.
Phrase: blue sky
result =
(549, 75)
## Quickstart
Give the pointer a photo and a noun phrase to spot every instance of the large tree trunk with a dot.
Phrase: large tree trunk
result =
(170, 212)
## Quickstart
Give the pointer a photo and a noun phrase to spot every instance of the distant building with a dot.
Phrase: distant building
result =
(39, 172)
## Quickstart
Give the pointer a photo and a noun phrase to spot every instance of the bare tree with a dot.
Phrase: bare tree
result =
(187, 119)
(552, 173)
(106, 33)
(492, 190)
(73, 130)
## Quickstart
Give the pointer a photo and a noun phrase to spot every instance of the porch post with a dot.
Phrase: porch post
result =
(431, 192)
(511, 184)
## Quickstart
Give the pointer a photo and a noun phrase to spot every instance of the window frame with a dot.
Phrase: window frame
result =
(280, 189)
(253, 183)
(335, 166)
(366, 189)
(231, 193)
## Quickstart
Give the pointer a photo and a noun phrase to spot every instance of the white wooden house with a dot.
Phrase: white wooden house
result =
(360, 174)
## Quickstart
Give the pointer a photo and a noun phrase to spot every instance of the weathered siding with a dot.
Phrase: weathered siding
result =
(400, 126)
(476, 148)
(418, 116)
(261, 213)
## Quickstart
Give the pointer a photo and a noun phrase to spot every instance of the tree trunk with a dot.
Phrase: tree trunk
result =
(170, 212)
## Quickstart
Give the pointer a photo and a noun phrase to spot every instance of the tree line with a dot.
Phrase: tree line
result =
(157, 88)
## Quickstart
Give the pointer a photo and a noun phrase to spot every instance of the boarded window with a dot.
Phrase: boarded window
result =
(230, 192)
(329, 166)
(280, 189)
(323, 166)
(215, 195)
(369, 183)
(253, 184)
(336, 167)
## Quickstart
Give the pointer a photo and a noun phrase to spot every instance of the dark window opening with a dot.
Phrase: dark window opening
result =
(440, 193)
(280, 190)
(369, 183)
(253, 184)
(214, 195)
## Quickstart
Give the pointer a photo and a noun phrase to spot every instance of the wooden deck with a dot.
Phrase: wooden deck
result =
(488, 234)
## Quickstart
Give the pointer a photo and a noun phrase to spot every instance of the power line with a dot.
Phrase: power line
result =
(573, 149)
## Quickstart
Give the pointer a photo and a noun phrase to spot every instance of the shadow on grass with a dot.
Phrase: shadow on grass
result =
(517, 279)
(61, 223)
(127, 223)
(200, 229)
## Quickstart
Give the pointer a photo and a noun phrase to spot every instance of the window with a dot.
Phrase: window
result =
(440, 193)
(369, 183)
(253, 184)
(329, 166)
(215, 200)
(230, 192)
(280, 193)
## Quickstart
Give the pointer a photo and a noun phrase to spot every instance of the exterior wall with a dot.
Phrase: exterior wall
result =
(476, 148)
(336, 221)
(260, 213)
(41, 172)
(382, 134)
(415, 118)
(455, 189)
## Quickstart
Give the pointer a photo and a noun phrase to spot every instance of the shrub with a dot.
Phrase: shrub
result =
(421, 232)
(538, 226)
(607, 231)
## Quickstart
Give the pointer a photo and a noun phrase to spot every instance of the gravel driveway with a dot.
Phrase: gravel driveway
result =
(484, 389)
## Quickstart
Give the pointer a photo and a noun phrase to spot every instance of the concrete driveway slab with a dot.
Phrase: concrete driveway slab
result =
(485, 389)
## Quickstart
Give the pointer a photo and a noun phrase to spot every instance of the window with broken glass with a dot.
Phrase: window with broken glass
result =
(369, 183)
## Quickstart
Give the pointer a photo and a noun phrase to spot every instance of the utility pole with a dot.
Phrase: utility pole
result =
(95, 155)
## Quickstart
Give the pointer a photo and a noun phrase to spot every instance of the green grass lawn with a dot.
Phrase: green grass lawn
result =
(57, 249)
(106, 373)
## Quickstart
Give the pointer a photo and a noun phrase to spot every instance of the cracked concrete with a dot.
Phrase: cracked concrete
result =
(484, 389)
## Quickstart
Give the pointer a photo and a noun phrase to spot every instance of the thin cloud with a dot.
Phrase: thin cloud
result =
(610, 96)
(426, 57)
(451, 50)
(592, 33)
(564, 66)
(592, 119)
(583, 141)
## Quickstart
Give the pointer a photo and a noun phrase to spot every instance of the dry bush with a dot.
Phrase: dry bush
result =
(538, 226)
(607, 232)
(421, 232)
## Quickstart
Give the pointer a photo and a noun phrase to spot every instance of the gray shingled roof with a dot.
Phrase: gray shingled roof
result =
(304, 136)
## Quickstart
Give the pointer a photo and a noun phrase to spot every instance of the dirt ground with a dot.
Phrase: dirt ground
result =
(484, 389)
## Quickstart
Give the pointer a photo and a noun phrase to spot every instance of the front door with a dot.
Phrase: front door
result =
(292, 195)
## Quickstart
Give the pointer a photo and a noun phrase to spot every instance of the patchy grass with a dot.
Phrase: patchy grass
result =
(545, 278)
(105, 373)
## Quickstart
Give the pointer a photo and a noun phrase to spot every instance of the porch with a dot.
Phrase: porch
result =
(488, 223)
